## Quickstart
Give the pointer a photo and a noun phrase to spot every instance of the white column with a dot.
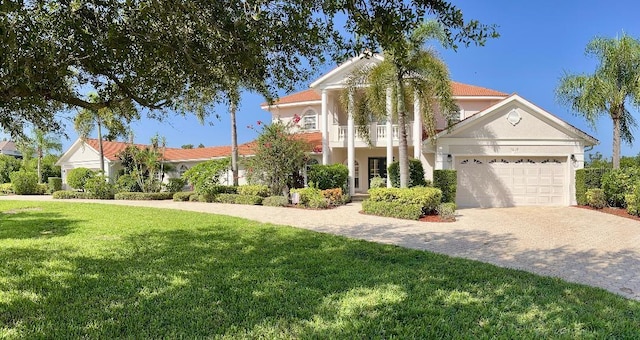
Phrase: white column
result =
(389, 128)
(351, 150)
(325, 127)
(417, 129)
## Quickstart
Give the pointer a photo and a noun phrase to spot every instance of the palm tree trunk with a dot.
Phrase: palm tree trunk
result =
(616, 142)
(101, 150)
(39, 165)
(402, 131)
(234, 142)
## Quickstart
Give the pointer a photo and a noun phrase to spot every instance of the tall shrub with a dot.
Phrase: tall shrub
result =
(8, 164)
(329, 176)
(205, 177)
(77, 178)
(416, 174)
(581, 187)
(24, 182)
(55, 184)
(447, 181)
(617, 183)
(99, 187)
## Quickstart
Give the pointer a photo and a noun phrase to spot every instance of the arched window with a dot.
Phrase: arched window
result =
(309, 120)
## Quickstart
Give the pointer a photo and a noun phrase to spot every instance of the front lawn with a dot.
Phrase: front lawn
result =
(101, 271)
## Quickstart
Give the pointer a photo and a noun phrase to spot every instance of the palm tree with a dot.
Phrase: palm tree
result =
(410, 71)
(115, 120)
(40, 144)
(613, 86)
(234, 99)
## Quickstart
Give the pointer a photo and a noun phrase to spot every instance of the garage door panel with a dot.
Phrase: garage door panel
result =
(511, 181)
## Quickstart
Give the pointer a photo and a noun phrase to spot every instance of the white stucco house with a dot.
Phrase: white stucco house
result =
(507, 151)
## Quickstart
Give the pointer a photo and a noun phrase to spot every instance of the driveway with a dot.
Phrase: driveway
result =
(575, 244)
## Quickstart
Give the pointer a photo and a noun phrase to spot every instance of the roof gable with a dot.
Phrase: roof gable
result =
(336, 78)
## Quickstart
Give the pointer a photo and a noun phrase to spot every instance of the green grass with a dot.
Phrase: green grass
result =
(101, 271)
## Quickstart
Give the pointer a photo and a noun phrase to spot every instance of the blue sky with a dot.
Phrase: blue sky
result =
(539, 41)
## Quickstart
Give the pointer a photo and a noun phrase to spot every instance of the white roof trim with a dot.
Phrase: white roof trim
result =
(74, 147)
(342, 67)
(277, 106)
(516, 98)
(479, 97)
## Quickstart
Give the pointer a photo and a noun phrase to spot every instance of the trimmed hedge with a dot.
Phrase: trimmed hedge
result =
(588, 178)
(144, 196)
(581, 187)
(596, 198)
(311, 198)
(275, 201)
(76, 178)
(427, 198)
(54, 184)
(447, 182)
(182, 196)
(253, 190)
(447, 211)
(70, 194)
(41, 189)
(239, 199)
(393, 209)
(328, 176)
(24, 182)
(99, 188)
(416, 174)
(617, 183)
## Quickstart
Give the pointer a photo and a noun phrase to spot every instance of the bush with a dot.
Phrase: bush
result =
(239, 199)
(226, 198)
(392, 209)
(205, 176)
(633, 200)
(253, 190)
(24, 182)
(99, 188)
(447, 211)
(275, 201)
(447, 182)
(427, 198)
(8, 164)
(76, 178)
(70, 194)
(175, 184)
(617, 183)
(127, 183)
(41, 189)
(334, 197)
(328, 176)
(182, 196)
(378, 182)
(6, 188)
(195, 198)
(54, 184)
(311, 197)
(581, 187)
(416, 174)
(144, 196)
(596, 198)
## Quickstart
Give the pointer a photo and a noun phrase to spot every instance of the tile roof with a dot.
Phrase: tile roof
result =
(112, 149)
(458, 89)
(8, 145)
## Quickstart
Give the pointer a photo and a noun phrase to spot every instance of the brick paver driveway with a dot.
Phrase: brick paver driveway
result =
(575, 244)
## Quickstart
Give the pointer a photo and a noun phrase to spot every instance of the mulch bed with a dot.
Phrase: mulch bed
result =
(612, 211)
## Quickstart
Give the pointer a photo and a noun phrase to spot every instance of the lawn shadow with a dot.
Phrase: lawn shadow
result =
(28, 223)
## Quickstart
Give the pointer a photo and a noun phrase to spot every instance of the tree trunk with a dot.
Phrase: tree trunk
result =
(39, 165)
(616, 141)
(101, 150)
(234, 141)
(403, 157)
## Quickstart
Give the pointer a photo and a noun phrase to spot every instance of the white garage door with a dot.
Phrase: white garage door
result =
(510, 181)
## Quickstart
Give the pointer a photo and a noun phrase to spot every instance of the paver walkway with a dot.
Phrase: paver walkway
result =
(575, 244)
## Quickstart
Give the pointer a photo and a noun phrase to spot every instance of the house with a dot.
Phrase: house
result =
(507, 151)
(9, 148)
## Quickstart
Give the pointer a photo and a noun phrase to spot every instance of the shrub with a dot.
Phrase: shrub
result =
(205, 176)
(182, 196)
(144, 196)
(253, 190)
(226, 198)
(54, 184)
(239, 199)
(617, 183)
(70, 194)
(275, 201)
(41, 189)
(596, 198)
(416, 174)
(127, 183)
(24, 182)
(446, 181)
(447, 211)
(309, 195)
(378, 182)
(195, 198)
(6, 188)
(175, 184)
(76, 178)
(99, 188)
(8, 164)
(581, 187)
(334, 197)
(392, 209)
(427, 198)
(633, 200)
(328, 176)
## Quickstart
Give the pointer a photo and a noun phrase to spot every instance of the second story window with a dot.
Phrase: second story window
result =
(309, 120)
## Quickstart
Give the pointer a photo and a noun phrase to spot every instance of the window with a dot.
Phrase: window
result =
(356, 175)
(183, 168)
(309, 120)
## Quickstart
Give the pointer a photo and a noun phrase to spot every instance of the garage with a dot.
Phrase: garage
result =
(494, 181)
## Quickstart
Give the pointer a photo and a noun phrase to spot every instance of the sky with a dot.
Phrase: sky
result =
(539, 41)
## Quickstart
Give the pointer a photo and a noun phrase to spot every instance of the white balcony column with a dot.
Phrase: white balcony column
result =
(351, 150)
(389, 135)
(417, 129)
(325, 127)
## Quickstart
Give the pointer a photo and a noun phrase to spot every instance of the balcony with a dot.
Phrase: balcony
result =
(377, 133)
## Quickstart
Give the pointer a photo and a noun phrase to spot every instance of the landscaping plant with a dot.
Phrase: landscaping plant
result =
(24, 182)
(596, 198)
(328, 176)
(416, 174)
(77, 178)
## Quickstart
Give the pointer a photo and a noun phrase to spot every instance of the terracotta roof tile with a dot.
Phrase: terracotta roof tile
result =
(460, 89)
(298, 97)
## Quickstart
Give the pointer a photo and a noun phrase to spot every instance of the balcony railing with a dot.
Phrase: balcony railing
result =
(377, 134)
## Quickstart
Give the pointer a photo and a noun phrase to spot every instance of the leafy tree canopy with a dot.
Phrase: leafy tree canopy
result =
(183, 56)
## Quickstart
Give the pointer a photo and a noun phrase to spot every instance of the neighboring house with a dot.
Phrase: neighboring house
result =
(9, 148)
(507, 151)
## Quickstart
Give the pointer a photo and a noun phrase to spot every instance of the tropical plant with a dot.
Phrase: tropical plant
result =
(8, 164)
(205, 176)
(78, 177)
(24, 182)
(610, 90)
(408, 71)
(146, 165)
(43, 143)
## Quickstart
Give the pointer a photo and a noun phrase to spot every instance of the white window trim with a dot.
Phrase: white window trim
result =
(309, 112)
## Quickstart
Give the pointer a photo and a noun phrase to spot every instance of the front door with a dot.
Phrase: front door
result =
(377, 167)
